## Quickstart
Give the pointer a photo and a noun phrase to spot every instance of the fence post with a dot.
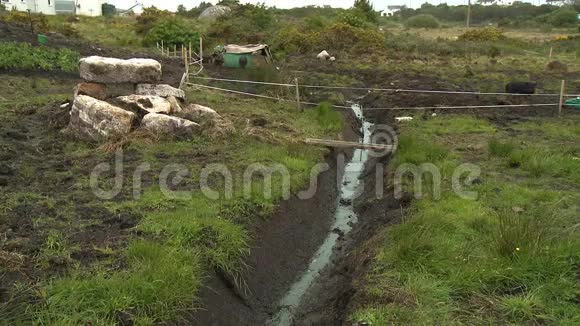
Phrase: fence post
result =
(201, 51)
(298, 96)
(562, 89)
(551, 49)
(162, 50)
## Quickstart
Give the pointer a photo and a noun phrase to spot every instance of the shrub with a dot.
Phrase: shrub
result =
(149, 18)
(352, 18)
(483, 34)
(172, 32)
(39, 21)
(563, 17)
(422, 21)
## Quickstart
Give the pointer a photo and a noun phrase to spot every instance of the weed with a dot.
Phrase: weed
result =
(499, 148)
(56, 250)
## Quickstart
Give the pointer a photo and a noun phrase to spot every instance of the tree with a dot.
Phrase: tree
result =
(367, 9)
(181, 10)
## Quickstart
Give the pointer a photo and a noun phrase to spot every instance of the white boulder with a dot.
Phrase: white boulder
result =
(112, 70)
(323, 55)
(161, 124)
(97, 119)
(162, 90)
(149, 103)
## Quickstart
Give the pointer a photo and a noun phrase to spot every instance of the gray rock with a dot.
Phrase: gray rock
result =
(97, 119)
(162, 90)
(149, 103)
(215, 11)
(175, 106)
(165, 125)
(112, 70)
(198, 113)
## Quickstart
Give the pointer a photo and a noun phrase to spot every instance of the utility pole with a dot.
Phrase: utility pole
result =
(468, 13)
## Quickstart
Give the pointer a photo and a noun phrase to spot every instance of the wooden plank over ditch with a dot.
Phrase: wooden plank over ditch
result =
(346, 144)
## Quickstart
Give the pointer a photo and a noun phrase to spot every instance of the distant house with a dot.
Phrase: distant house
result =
(53, 7)
(391, 10)
(495, 2)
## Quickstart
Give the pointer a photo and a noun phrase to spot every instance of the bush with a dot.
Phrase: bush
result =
(39, 21)
(422, 21)
(172, 32)
(563, 17)
(25, 56)
(482, 34)
(352, 18)
(149, 18)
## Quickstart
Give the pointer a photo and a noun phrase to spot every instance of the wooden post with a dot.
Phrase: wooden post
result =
(162, 50)
(468, 13)
(562, 89)
(190, 55)
(551, 48)
(200, 51)
(175, 50)
(298, 96)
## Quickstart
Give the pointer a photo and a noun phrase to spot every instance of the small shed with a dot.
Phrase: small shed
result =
(247, 56)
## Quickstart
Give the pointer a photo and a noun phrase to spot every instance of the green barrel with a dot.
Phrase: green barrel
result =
(42, 39)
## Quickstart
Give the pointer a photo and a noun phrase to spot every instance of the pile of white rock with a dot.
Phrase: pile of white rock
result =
(119, 96)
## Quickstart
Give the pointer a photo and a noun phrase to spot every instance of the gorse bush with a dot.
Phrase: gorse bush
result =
(352, 17)
(335, 37)
(422, 21)
(172, 32)
(39, 21)
(25, 56)
(483, 34)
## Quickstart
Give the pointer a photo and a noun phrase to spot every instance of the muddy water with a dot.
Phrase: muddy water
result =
(344, 218)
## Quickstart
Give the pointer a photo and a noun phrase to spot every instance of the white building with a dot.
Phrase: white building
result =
(53, 7)
(495, 2)
(391, 11)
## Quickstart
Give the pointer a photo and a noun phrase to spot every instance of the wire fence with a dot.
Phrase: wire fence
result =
(393, 108)
(394, 90)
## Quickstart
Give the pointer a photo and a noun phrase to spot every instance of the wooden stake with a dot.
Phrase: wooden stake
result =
(551, 48)
(468, 14)
(162, 52)
(175, 50)
(298, 96)
(190, 50)
(562, 89)
(200, 51)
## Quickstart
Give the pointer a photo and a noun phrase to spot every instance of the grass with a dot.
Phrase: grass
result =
(510, 256)
(158, 284)
(181, 239)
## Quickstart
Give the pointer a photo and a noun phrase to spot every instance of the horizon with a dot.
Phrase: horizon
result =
(379, 5)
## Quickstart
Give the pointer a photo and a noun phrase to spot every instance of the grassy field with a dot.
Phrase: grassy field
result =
(152, 273)
(509, 256)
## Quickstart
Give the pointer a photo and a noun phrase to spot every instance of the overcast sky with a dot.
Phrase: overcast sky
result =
(379, 4)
